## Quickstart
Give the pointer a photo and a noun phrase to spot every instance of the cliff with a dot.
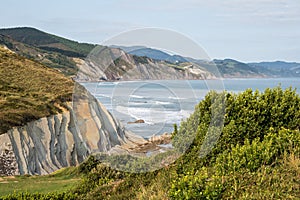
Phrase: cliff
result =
(66, 139)
(109, 64)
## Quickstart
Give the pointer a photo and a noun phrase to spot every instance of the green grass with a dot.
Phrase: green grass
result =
(29, 90)
(61, 181)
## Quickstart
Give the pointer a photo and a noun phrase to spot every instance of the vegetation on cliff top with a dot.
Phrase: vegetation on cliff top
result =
(49, 42)
(29, 90)
(256, 157)
(51, 50)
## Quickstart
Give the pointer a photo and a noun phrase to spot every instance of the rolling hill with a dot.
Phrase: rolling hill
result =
(278, 68)
(233, 68)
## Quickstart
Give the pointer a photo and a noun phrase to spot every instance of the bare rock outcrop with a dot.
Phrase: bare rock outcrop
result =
(62, 140)
(109, 64)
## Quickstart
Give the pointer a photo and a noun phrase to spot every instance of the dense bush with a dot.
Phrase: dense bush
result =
(253, 155)
(248, 159)
(256, 155)
(259, 130)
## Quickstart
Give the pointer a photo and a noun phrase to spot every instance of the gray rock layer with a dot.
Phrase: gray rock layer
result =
(62, 140)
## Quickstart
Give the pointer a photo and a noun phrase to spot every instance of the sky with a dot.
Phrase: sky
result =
(245, 30)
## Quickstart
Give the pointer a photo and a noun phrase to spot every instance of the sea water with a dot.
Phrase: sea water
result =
(161, 104)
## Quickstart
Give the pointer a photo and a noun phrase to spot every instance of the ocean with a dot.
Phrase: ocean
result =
(161, 104)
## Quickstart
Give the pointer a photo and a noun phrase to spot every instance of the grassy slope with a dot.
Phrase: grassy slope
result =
(29, 90)
(53, 51)
(51, 59)
(60, 181)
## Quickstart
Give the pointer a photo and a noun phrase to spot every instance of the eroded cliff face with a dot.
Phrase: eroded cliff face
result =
(62, 140)
(109, 64)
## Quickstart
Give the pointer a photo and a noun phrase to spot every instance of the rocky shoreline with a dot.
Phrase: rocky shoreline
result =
(145, 147)
(154, 143)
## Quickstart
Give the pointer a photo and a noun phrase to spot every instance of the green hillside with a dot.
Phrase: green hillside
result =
(29, 90)
(256, 157)
(53, 51)
(278, 68)
(40, 39)
(233, 68)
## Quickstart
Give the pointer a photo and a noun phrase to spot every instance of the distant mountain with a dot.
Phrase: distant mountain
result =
(153, 53)
(278, 68)
(233, 68)
(227, 67)
(127, 49)
(67, 56)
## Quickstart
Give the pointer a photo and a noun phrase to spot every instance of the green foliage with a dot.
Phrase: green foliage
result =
(88, 165)
(259, 129)
(252, 160)
(196, 186)
(255, 156)
(175, 132)
(247, 115)
(79, 49)
(138, 164)
(49, 196)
